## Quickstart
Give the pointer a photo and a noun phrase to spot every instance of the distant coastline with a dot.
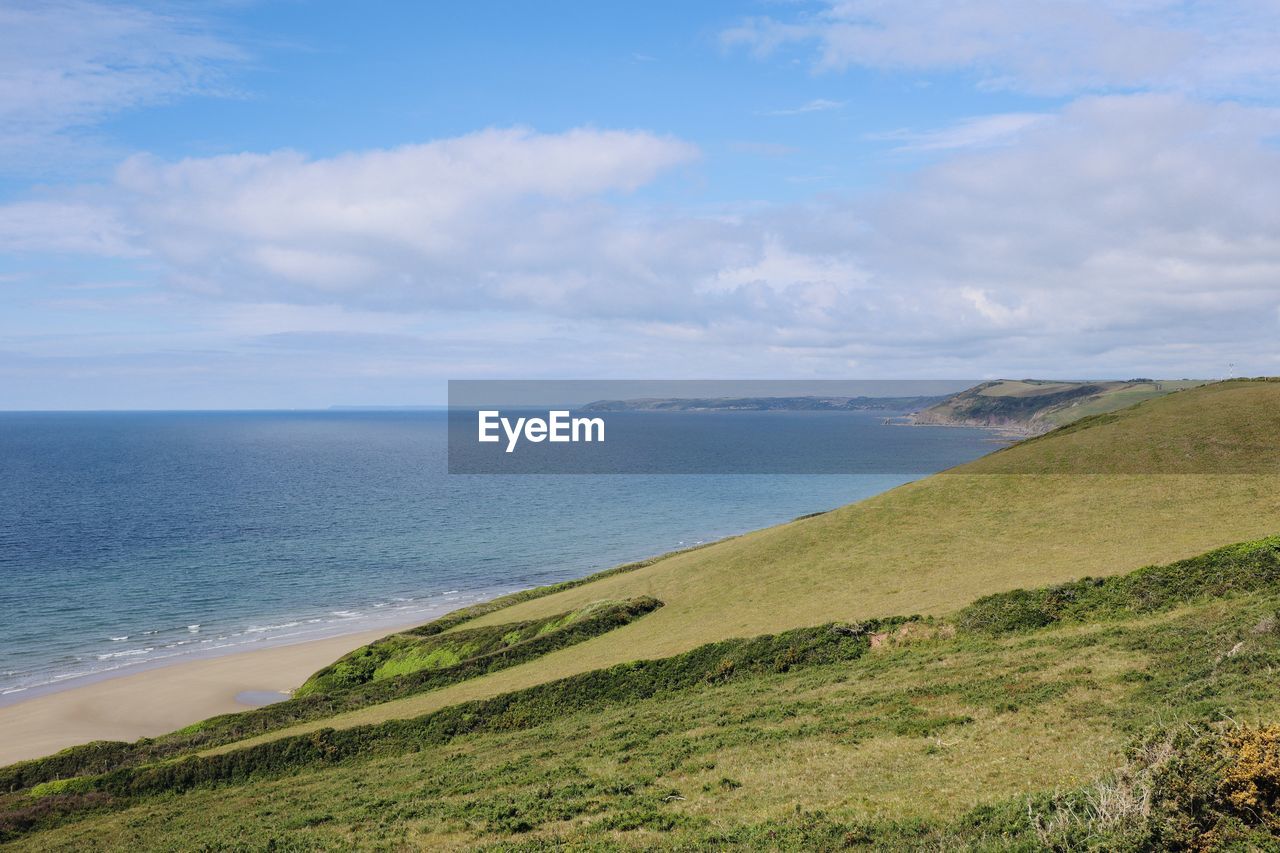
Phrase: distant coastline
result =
(763, 404)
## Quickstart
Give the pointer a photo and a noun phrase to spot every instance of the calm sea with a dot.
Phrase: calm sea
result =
(127, 539)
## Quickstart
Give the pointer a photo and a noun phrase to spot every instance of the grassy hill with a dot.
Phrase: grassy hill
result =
(1035, 406)
(1225, 428)
(881, 732)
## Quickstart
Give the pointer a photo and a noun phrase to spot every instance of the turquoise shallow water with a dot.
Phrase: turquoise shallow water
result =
(132, 538)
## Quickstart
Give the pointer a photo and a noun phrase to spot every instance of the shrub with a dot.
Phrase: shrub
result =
(75, 785)
(1200, 787)
(1236, 568)
(1250, 783)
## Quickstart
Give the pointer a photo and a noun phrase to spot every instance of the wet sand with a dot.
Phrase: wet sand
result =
(159, 700)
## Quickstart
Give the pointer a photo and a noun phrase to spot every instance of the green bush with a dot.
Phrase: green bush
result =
(424, 648)
(1236, 568)
(75, 785)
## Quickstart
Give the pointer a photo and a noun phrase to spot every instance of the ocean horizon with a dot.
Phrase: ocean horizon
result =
(133, 539)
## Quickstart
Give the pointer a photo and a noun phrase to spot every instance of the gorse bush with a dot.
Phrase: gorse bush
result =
(345, 693)
(1236, 568)
(1193, 787)
(1250, 782)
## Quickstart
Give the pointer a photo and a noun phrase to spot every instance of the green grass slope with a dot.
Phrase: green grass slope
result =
(1229, 427)
(1119, 713)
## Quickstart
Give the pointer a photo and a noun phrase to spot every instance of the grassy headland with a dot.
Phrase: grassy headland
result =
(1034, 406)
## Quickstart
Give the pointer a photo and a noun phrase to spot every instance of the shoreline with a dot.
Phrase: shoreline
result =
(280, 630)
(162, 695)
(166, 696)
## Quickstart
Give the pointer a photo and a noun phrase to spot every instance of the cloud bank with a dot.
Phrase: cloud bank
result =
(1124, 223)
(1052, 47)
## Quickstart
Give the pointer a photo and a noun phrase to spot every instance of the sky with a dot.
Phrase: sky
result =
(295, 204)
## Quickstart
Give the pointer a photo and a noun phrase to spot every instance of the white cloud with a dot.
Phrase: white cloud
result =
(68, 64)
(1128, 219)
(977, 132)
(81, 227)
(499, 214)
(997, 314)
(1127, 232)
(1044, 46)
(817, 105)
(276, 318)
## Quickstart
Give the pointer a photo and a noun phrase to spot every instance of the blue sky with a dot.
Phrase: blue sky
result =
(328, 78)
(298, 204)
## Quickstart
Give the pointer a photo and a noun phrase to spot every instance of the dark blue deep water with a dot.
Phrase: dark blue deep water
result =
(128, 538)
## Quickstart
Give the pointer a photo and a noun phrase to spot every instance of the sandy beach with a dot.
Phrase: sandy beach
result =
(159, 700)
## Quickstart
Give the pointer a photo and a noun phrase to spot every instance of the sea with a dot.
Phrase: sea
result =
(132, 539)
